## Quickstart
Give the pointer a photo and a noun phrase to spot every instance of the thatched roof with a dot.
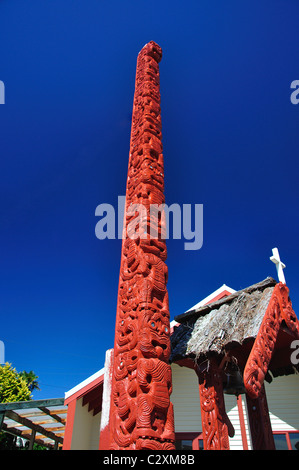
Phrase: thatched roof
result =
(221, 325)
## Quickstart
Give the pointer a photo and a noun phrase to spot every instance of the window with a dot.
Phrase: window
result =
(280, 442)
(294, 439)
(286, 440)
(183, 444)
(198, 444)
(188, 441)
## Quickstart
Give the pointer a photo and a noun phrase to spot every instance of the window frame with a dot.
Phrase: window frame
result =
(287, 436)
(190, 436)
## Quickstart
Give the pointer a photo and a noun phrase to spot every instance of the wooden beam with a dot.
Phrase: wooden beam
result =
(53, 414)
(43, 421)
(56, 412)
(13, 424)
(31, 414)
(17, 432)
(32, 439)
(2, 414)
(260, 423)
(242, 422)
(96, 403)
(97, 409)
(26, 422)
(18, 405)
(93, 394)
(57, 428)
(43, 436)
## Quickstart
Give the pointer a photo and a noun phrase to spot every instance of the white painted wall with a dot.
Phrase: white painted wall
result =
(283, 402)
(86, 430)
(186, 403)
(95, 432)
(282, 395)
(185, 400)
(235, 443)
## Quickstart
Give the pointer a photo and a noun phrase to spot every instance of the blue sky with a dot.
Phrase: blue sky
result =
(230, 137)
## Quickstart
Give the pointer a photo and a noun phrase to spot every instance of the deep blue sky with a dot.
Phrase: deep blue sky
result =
(230, 136)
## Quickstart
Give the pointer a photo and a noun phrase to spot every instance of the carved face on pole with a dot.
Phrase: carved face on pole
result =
(141, 414)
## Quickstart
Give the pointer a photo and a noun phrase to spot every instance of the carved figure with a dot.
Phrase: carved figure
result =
(141, 414)
(216, 426)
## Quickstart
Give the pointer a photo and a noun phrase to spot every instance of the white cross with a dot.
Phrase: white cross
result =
(279, 265)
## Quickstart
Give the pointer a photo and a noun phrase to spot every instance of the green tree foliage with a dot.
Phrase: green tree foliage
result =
(12, 386)
(16, 386)
(31, 379)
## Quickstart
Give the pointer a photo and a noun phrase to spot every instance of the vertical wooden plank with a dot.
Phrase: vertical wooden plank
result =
(216, 426)
(2, 414)
(259, 421)
(106, 398)
(32, 439)
(68, 434)
(242, 422)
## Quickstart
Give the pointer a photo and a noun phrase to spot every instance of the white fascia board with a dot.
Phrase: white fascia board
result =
(210, 297)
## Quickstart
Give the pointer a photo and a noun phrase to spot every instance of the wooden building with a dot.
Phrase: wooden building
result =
(225, 325)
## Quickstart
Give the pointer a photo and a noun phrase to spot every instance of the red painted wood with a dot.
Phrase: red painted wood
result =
(68, 433)
(141, 414)
(259, 421)
(279, 308)
(242, 423)
(86, 389)
(216, 426)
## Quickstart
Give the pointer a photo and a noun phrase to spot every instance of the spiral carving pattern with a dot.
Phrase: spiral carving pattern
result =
(141, 414)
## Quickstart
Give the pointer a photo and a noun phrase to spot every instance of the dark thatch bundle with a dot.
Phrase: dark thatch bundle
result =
(219, 326)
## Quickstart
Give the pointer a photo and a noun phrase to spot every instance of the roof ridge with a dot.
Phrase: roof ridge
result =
(202, 310)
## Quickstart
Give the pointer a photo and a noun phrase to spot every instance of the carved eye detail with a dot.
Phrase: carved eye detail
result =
(153, 324)
(166, 329)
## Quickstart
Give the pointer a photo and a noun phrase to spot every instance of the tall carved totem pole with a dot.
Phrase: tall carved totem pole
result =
(141, 414)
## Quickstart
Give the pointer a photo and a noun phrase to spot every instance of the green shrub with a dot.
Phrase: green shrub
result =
(12, 386)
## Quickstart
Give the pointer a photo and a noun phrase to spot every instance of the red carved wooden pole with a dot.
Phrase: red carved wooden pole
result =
(259, 421)
(216, 426)
(141, 414)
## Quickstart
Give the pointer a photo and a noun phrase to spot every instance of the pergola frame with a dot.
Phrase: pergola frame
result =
(28, 425)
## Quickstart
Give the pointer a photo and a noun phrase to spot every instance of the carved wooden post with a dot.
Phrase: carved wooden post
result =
(262, 350)
(259, 420)
(141, 414)
(216, 426)
(279, 308)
